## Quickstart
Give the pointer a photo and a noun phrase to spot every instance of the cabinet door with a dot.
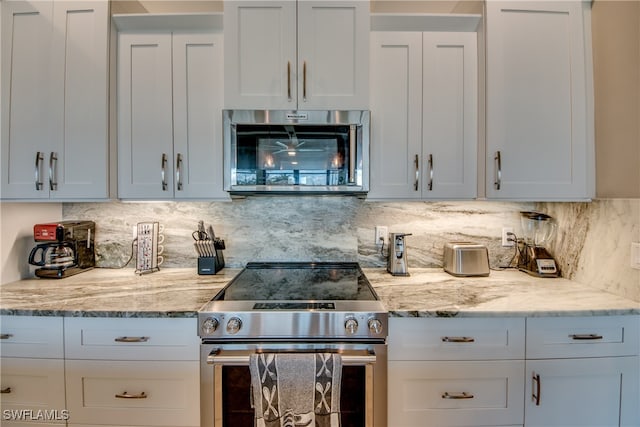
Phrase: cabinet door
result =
(333, 55)
(582, 392)
(396, 108)
(197, 115)
(32, 390)
(132, 393)
(538, 143)
(450, 115)
(145, 122)
(26, 98)
(469, 393)
(260, 54)
(79, 146)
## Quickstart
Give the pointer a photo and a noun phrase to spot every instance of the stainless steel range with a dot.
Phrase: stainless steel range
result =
(294, 307)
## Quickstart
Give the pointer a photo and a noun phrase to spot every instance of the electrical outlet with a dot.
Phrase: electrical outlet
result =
(635, 255)
(505, 236)
(382, 235)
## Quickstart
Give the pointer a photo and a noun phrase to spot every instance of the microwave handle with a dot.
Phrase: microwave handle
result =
(353, 134)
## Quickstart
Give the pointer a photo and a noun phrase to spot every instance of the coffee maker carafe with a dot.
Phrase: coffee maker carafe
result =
(397, 257)
(538, 231)
(68, 248)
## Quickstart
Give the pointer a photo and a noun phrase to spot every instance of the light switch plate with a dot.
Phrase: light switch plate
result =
(635, 255)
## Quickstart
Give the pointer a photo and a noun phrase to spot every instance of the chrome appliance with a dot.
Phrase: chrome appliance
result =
(69, 248)
(397, 258)
(293, 307)
(296, 152)
(538, 231)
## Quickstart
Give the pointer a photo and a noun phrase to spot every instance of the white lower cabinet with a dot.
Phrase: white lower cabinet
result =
(162, 393)
(455, 372)
(32, 371)
(576, 371)
(132, 372)
(480, 393)
(583, 371)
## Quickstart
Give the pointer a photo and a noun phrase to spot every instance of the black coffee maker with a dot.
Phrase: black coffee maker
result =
(69, 248)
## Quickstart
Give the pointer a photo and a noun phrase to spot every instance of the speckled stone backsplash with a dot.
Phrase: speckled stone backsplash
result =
(325, 228)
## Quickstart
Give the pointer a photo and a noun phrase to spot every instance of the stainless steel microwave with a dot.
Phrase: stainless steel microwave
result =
(296, 152)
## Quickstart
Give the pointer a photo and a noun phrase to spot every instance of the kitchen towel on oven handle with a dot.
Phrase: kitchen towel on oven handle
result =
(296, 389)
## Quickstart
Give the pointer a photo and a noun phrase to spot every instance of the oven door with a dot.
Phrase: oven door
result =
(226, 382)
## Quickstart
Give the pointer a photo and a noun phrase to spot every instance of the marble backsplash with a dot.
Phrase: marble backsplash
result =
(325, 228)
(592, 246)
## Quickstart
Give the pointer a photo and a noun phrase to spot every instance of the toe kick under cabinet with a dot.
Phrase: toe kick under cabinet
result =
(130, 372)
(455, 372)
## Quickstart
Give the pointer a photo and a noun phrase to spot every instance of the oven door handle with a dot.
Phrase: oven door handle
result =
(241, 357)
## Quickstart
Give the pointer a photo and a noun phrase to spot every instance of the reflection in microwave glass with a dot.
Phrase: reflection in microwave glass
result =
(290, 177)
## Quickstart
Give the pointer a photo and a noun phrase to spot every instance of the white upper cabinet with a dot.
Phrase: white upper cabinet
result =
(55, 100)
(424, 115)
(539, 109)
(170, 115)
(296, 55)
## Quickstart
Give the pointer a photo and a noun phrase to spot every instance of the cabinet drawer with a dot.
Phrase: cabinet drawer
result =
(455, 393)
(131, 339)
(31, 336)
(157, 393)
(559, 337)
(33, 390)
(456, 339)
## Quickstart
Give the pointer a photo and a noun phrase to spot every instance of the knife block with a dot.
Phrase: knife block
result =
(212, 264)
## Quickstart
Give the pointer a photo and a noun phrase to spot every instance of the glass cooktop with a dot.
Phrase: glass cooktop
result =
(296, 281)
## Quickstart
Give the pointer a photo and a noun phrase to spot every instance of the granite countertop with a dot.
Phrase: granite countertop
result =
(508, 293)
(101, 292)
(181, 292)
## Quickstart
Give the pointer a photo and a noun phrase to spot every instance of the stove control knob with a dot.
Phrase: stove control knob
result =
(351, 325)
(375, 326)
(210, 325)
(233, 325)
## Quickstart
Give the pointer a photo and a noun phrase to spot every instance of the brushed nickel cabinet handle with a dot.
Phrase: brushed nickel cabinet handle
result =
(5, 336)
(39, 159)
(163, 172)
(535, 394)
(5, 390)
(498, 180)
(126, 395)
(131, 339)
(430, 165)
(304, 81)
(179, 171)
(458, 339)
(457, 396)
(53, 171)
(289, 80)
(416, 163)
(585, 337)
(352, 154)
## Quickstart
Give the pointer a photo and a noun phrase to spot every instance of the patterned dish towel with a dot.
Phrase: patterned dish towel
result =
(296, 389)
